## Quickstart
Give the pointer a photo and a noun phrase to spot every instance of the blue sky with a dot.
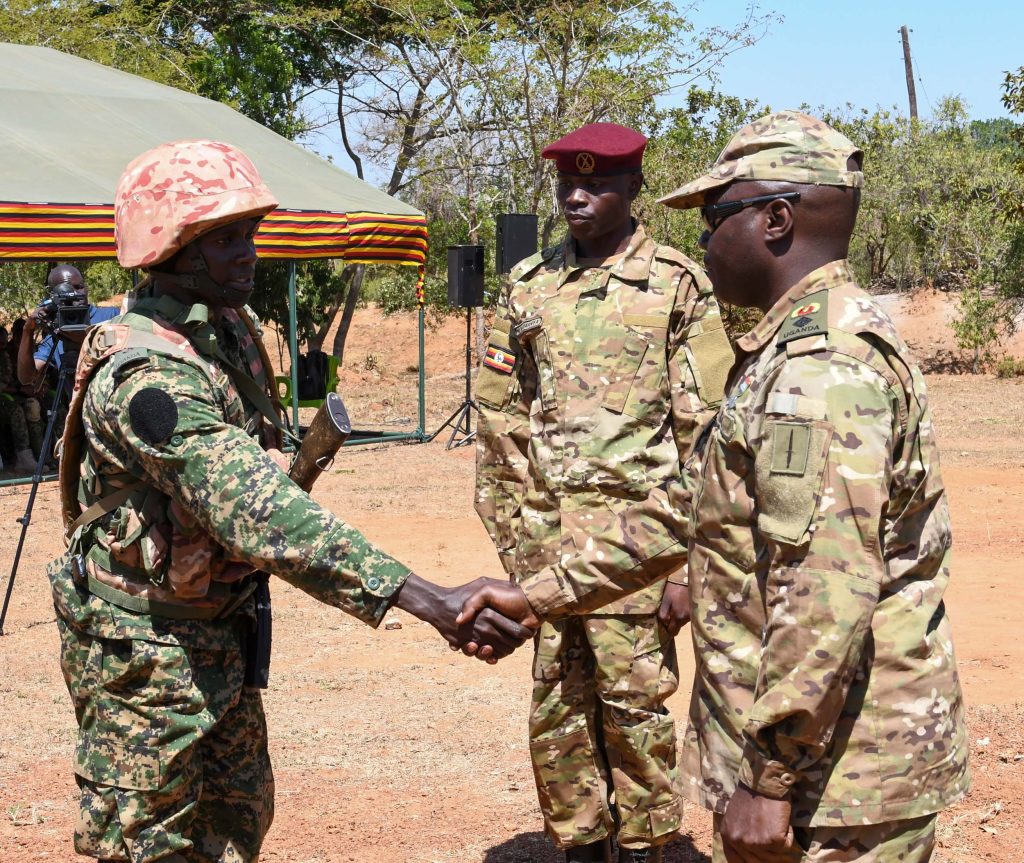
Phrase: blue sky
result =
(829, 53)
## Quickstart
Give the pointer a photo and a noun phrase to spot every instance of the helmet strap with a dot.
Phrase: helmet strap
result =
(198, 281)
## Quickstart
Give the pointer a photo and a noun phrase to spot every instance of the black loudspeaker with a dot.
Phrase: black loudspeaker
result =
(466, 276)
(516, 239)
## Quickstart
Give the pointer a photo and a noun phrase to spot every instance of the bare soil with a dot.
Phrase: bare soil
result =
(387, 746)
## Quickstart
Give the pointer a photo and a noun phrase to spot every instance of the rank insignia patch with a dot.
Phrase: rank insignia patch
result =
(809, 309)
(499, 360)
(809, 319)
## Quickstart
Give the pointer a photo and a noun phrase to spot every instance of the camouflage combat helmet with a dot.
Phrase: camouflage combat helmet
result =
(174, 193)
(786, 146)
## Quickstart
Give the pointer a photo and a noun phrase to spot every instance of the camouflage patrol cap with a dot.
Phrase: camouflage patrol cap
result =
(786, 146)
(174, 193)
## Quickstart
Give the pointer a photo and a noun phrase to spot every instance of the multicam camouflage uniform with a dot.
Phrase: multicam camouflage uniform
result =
(819, 554)
(596, 375)
(172, 750)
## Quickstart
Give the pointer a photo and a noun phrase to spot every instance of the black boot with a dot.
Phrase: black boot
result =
(594, 852)
(640, 855)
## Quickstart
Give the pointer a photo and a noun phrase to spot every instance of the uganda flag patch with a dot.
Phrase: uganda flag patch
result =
(499, 360)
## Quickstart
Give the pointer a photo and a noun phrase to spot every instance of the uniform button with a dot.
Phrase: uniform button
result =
(373, 582)
(177, 440)
(787, 779)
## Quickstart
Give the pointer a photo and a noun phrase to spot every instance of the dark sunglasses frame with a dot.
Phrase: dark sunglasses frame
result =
(715, 214)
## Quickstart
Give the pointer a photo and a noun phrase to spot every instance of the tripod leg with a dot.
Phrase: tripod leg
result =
(462, 412)
(463, 415)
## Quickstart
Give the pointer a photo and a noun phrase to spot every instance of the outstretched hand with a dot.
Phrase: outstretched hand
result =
(491, 634)
(492, 597)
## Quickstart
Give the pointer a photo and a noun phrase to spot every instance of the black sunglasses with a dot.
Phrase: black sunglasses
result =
(715, 214)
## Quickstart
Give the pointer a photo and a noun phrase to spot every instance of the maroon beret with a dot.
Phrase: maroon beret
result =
(599, 150)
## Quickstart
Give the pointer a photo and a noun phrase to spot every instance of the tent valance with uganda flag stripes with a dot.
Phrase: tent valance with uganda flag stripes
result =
(70, 126)
(83, 231)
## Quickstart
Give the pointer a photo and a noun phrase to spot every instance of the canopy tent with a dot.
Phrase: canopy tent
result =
(70, 127)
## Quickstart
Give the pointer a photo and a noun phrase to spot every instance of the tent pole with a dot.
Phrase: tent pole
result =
(293, 345)
(423, 381)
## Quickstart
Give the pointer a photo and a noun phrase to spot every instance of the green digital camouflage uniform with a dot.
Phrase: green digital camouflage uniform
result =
(595, 378)
(819, 554)
(15, 410)
(172, 749)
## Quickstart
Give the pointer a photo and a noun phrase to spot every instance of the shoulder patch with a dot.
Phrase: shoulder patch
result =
(500, 359)
(153, 415)
(526, 330)
(809, 318)
(123, 359)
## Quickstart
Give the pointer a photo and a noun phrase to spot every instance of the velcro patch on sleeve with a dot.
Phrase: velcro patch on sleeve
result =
(789, 470)
(499, 359)
(790, 446)
(153, 415)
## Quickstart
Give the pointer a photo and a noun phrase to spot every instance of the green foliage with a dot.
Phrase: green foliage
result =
(317, 284)
(979, 325)
(394, 290)
(686, 143)
(1008, 367)
(23, 284)
(930, 215)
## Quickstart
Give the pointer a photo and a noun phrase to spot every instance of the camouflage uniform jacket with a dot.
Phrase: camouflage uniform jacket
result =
(594, 382)
(212, 505)
(818, 558)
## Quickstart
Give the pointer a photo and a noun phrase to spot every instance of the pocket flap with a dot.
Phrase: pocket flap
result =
(111, 762)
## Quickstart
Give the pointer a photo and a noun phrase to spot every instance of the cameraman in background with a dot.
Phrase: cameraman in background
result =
(32, 364)
(66, 288)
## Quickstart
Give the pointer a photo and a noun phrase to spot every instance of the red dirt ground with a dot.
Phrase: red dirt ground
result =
(387, 746)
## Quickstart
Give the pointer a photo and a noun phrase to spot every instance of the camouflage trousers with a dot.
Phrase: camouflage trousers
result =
(908, 841)
(602, 743)
(171, 760)
(13, 426)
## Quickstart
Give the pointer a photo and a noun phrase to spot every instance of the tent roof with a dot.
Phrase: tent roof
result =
(70, 126)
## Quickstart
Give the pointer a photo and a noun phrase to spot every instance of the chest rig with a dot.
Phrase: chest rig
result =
(133, 545)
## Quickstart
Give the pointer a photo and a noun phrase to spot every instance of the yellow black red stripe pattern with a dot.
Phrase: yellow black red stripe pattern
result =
(76, 231)
(499, 360)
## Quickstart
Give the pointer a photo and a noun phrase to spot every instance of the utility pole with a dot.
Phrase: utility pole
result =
(905, 33)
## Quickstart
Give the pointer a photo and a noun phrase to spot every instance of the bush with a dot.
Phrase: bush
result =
(395, 291)
(1008, 367)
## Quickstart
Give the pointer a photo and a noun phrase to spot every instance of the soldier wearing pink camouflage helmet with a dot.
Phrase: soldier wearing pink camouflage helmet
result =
(171, 503)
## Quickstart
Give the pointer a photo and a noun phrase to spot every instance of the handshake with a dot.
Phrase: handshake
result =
(485, 618)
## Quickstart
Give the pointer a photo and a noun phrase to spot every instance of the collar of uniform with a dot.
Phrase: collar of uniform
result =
(633, 266)
(195, 319)
(829, 276)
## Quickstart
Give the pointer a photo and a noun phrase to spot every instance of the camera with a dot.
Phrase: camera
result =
(65, 310)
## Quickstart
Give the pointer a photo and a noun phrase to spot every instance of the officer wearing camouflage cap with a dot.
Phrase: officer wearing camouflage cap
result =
(606, 352)
(171, 501)
(827, 721)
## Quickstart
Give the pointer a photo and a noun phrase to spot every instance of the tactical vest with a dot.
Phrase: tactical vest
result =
(136, 547)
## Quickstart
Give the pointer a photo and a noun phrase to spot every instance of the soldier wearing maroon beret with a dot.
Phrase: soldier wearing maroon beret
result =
(598, 150)
(605, 354)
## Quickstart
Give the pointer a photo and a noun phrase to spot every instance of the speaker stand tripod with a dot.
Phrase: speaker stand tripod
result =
(460, 419)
